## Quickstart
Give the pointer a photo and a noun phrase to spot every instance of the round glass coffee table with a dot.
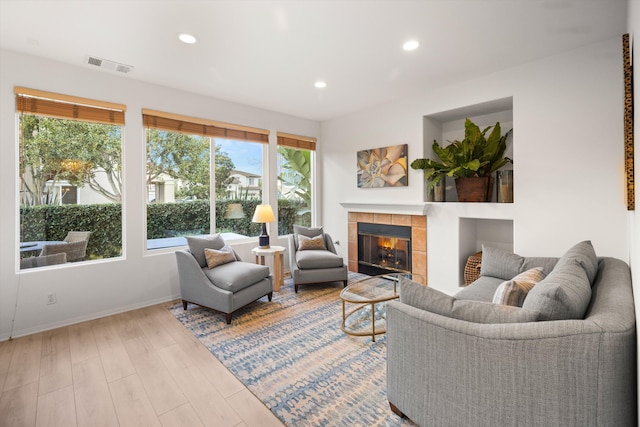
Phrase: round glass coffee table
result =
(370, 294)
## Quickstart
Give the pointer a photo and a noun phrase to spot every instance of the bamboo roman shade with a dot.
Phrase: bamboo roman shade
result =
(203, 127)
(49, 104)
(296, 141)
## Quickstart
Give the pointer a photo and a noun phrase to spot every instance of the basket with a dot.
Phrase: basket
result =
(472, 268)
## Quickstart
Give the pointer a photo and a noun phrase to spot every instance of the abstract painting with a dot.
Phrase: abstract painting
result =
(383, 167)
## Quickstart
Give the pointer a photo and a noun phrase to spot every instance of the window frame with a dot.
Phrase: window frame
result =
(45, 104)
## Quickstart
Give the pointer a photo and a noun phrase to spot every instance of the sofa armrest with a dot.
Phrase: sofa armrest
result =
(293, 265)
(537, 373)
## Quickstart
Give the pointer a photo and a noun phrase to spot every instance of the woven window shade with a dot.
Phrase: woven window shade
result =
(296, 141)
(203, 127)
(49, 104)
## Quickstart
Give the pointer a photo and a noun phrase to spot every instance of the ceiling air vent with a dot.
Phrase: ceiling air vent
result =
(108, 65)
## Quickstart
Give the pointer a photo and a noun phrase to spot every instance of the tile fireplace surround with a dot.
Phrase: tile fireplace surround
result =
(418, 224)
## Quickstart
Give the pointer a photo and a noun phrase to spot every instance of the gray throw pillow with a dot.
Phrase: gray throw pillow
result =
(434, 301)
(501, 264)
(197, 245)
(564, 294)
(584, 254)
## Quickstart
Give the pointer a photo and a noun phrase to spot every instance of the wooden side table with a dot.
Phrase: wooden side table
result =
(278, 263)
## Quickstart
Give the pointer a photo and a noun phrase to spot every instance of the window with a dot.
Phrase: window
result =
(295, 181)
(70, 176)
(180, 178)
(238, 176)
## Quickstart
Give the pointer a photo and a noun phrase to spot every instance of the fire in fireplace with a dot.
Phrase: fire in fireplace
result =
(383, 248)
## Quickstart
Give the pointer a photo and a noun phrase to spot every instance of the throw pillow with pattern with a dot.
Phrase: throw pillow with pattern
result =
(311, 243)
(216, 257)
(513, 292)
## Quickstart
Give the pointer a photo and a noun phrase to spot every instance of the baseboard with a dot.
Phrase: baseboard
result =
(67, 322)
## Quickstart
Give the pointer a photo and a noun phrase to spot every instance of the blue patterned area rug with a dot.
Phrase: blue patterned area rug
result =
(292, 354)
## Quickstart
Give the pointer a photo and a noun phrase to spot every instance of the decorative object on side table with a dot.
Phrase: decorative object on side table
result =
(383, 167)
(263, 214)
(471, 162)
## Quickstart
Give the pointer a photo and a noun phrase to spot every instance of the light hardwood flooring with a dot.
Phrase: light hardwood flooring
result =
(140, 368)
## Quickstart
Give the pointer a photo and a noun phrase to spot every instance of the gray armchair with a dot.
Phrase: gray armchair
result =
(317, 265)
(225, 287)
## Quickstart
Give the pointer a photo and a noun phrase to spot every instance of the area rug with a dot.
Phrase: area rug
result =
(292, 354)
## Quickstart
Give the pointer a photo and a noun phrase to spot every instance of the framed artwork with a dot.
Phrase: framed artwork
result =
(383, 167)
(628, 122)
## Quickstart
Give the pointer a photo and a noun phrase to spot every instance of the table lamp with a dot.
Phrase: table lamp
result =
(263, 214)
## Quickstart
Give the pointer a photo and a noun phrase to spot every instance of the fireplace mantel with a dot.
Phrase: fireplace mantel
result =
(389, 208)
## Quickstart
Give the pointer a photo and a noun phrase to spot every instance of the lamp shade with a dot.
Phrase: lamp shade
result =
(263, 214)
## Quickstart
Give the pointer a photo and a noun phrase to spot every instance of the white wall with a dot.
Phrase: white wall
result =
(568, 158)
(94, 289)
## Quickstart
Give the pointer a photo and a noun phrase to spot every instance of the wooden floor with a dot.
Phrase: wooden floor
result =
(140, 368)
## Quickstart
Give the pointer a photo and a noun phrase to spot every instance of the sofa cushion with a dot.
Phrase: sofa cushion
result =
(310, 260)
(564, 294)
(197, 245)
(311, 243)
(217, 257)
(512, 292)
(501, 264)
(584, 254)
(434, 301)
(235, 276)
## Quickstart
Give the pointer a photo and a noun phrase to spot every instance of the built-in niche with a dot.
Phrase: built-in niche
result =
(449, 125)
(479, 223)
(475, 232)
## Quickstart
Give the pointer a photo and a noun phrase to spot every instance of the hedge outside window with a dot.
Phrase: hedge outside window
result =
(70, 174)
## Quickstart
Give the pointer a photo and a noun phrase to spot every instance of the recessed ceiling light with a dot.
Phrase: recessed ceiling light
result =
(411, 45)
(320, 84)
(187, 38)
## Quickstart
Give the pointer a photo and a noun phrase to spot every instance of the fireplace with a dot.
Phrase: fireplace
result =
(388, 250)
(383, 248)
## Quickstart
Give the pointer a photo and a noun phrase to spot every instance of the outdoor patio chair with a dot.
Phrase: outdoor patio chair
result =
(41, 261)
(76, 251)
(76, 236)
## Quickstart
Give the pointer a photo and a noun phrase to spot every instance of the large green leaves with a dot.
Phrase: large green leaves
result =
(475, 155)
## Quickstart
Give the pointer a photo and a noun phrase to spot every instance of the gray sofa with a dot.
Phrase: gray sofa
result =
(465, 361)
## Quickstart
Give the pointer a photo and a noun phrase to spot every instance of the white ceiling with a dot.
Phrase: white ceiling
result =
(268, 54)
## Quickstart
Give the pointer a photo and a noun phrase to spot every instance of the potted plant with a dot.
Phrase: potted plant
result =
(471, 162)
